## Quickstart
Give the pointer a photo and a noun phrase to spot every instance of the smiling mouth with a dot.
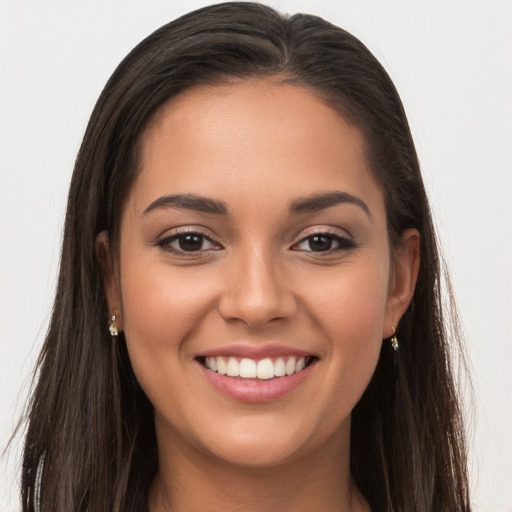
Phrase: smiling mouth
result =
(262, 369)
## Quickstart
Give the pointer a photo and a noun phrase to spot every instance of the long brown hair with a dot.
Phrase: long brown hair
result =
(89, 417)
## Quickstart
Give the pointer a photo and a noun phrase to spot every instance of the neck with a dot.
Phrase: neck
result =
(188, 480)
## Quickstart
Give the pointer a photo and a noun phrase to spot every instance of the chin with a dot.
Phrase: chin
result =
(266, 443)
(256, 454)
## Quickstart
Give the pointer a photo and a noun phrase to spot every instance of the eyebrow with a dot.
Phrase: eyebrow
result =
(189, 202)
(310, 204)
(323, 200)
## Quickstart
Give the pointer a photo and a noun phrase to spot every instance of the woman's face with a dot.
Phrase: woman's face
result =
(253, 242)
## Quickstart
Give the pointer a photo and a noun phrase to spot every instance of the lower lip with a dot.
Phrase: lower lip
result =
(256, 390)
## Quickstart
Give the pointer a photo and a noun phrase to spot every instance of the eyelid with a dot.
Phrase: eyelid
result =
(323, 230)
(344, 239)
(174, 234)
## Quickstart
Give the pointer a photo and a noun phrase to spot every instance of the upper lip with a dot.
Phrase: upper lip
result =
(254, 351)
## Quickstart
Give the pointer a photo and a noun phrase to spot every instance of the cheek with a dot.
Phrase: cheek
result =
(353, 302)
(160, 310)
(349, 312)
(158, 301)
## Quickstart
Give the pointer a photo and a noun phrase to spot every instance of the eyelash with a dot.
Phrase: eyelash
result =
(344, 243)
(165, 243)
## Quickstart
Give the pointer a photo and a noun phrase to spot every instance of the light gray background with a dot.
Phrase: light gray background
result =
(452, 64)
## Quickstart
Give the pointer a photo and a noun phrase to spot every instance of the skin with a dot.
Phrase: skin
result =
(257, 146)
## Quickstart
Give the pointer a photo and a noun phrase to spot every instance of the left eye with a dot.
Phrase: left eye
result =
(187, 242)
(323, 242)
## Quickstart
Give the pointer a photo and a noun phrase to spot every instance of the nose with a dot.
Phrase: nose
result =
(256, 291)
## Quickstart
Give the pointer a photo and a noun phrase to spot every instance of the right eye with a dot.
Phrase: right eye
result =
(188, 242)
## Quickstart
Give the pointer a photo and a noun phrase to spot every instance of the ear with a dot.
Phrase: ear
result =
(110, 277)
(404, 274)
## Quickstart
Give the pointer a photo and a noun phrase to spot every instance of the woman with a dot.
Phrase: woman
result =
(246, 224)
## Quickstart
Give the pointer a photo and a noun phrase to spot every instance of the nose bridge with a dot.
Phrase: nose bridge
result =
(256, 292)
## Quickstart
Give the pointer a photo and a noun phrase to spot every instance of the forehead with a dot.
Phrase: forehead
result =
(251, 135)
(249, 108)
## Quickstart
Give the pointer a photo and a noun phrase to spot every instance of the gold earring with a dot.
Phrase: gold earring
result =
(113, 327)
(394, 340)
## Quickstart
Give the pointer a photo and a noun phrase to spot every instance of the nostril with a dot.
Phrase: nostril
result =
(257, 297)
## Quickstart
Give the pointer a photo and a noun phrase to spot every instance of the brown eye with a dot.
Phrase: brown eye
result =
(319, 243)
(187, 243)
(191, 242)
(324, 242)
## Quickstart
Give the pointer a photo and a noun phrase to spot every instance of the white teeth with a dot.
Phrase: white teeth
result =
(247, 368)
(279, 368)
(250, 369)
(222, 367)
(265, 369)
(233, 369)
(290, 366)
